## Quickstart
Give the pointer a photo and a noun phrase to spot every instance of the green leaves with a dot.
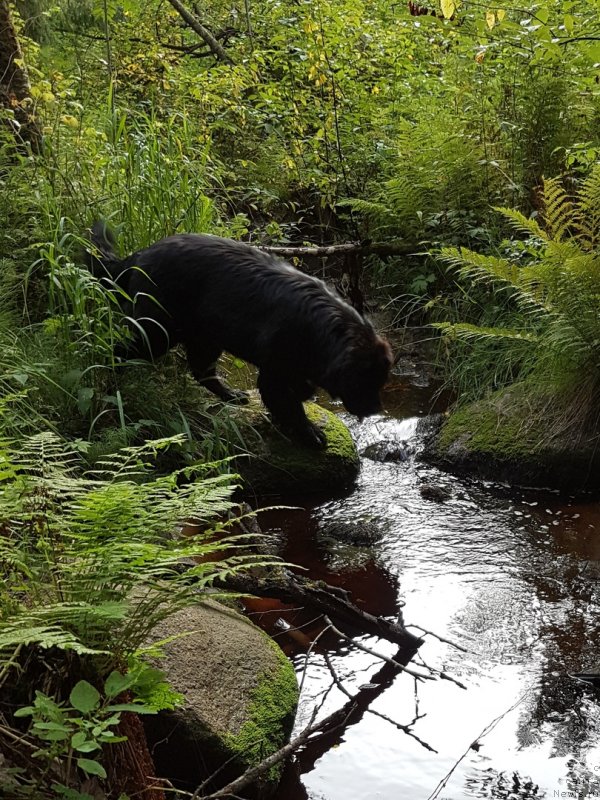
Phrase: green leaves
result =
(549, 285)
(84, 697)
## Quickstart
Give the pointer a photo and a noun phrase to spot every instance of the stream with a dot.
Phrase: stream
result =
(509, 574)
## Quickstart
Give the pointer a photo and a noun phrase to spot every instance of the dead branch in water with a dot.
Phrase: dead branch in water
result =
(281, 584)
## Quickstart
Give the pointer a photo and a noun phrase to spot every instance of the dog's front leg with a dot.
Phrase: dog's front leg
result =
(287, 411)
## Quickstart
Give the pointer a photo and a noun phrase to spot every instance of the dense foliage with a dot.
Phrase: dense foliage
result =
(273, 121)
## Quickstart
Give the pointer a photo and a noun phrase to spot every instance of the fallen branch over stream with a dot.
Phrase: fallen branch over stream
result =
(281, 584)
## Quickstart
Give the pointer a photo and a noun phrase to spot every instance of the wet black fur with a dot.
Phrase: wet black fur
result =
(214, 295)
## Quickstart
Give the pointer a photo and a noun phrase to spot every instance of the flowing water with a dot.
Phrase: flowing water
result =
(509, 575)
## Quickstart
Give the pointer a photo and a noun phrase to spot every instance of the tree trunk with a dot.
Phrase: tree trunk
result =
(15, 90)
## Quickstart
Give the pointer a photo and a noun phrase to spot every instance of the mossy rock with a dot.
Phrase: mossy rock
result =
(506, 438)
(240, 697)
(280, 466)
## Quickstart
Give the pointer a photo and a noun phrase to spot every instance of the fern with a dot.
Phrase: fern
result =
(551, 300)
(91, 562)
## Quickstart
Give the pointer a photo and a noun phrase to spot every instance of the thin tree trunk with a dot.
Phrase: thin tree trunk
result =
(15, 89)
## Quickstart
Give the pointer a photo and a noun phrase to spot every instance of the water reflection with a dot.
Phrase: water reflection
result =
(511, 575)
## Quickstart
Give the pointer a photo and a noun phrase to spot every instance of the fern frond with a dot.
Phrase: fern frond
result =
(468, 332)
(523, 224)
(589, 203)
(19, 633)
(560, 214)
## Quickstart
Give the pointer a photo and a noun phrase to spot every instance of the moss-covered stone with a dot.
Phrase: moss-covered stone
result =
(277, 688)
(510, 437)
(240, 697)
(281, 466)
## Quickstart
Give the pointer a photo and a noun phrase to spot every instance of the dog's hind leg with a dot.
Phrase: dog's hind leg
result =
(285, 404)
(203, 366)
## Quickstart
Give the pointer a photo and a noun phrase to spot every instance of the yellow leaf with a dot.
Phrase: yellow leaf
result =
(375, 90)
(490, 19)
(448, 8)
(500, 14)
(69, 120)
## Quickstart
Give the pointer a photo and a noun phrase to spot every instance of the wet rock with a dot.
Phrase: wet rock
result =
(359, 533)
(435, 492)
(240, 698)
(506, 438)
(280, 466)
(386, 451)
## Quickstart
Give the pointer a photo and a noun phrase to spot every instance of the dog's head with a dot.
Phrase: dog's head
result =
(360, 374)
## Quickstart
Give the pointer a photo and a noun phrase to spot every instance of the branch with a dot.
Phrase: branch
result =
(202, 32)
(404, 728)
(394, 248)
(192, 50)
(380, 656)
(287, 587)
(338, 717)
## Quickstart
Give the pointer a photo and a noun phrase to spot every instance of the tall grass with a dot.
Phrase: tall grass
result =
(150, 177)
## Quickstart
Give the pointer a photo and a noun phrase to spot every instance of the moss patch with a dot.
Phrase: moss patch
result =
(509, 437)
(281, 466)
(270, 715)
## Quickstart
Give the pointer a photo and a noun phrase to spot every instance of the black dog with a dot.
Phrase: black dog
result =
(214, 295)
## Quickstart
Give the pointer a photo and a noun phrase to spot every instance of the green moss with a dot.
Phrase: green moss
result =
(280, 465)
(520, 435)
(270, 715)
(484, 428)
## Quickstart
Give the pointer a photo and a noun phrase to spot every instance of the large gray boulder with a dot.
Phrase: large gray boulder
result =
(240, 698)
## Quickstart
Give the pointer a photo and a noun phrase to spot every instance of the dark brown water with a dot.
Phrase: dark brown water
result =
(511, 575)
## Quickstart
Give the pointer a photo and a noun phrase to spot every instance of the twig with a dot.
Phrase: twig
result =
(438, 637)
(488, 728)
(404, 728)
(313, 644)
(441, 674)
(380, 656)
(332, 721)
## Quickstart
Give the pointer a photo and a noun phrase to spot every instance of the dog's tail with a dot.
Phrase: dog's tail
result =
(100, 256)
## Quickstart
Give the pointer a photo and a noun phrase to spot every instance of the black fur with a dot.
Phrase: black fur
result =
(214, 295)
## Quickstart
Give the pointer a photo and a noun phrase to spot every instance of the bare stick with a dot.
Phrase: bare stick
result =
(438, 637)
(202, 32)
(488, 728)
(332, 721)
(380, 656)
(376, 248)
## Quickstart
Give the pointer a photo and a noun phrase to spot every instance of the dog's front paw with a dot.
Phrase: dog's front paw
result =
(311, 436)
